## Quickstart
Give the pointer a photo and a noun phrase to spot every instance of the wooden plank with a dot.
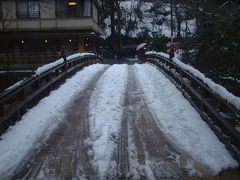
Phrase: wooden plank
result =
(49, 78)
(201, 104)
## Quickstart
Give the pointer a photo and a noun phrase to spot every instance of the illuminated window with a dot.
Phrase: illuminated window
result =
(73, 8)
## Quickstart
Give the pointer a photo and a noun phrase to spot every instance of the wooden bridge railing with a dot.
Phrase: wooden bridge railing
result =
(221, 116)
(15, 102)
(30, 57)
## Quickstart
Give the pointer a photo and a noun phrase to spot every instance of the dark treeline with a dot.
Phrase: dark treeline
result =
(214, 47)
(214, 44)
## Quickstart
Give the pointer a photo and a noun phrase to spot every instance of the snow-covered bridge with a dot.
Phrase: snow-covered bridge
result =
(117, 122)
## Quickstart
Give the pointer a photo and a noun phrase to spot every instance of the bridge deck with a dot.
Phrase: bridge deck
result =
(139, 148)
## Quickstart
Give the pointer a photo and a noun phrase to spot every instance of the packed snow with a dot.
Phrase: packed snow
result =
(105, 110)
(216, 88)
(46, 67)
(173, 113)
(39, 121)
(180, 121)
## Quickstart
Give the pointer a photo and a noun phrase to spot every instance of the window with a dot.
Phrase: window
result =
(87, 8)
(73, 8)
(28, 9)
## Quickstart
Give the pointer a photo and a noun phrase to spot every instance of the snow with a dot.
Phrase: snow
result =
(39, 121)
(157, 53)
(149, 20)
(106, 108)
(216, 88)
(173, 114)
(46, 67)
(180, 122)
(15, 85)
(128, 9)
(229, 78)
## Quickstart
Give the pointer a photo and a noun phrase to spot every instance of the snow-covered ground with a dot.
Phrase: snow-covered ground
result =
(39, 121)
(106, 108)
(180, 121)
(172, 112)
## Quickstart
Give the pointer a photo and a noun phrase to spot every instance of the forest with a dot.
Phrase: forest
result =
(208, 30)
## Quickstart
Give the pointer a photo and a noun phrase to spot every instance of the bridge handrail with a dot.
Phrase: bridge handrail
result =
(34, 77)
(30, 57)
(221, 116)
(233, 106)
(15, 102)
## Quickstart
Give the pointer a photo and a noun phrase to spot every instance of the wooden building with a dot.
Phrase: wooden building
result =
(43, 26)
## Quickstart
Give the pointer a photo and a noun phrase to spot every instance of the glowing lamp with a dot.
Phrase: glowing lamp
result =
(72, 3)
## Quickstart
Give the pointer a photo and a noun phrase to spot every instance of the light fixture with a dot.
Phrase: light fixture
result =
(86, 45)
(70, 40)
(46, 41)
(22, 42)
(72, 3)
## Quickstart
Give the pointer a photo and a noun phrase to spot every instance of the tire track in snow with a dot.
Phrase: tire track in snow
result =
(122, 154)
(151, 156)
(65, 154)
(106, 108)
(182, 125)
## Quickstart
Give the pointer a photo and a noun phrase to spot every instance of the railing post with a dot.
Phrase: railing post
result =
(193, 83)
(56, 72)
(63, 54)
(1, 108)
(238, 117)
(36, 84)
(21, 95)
